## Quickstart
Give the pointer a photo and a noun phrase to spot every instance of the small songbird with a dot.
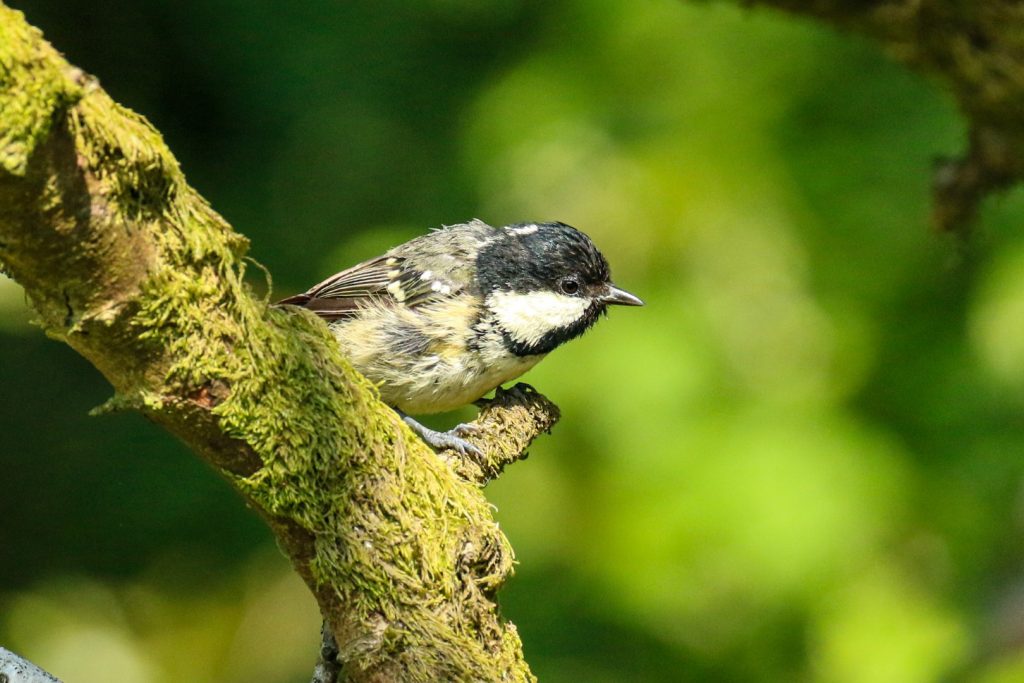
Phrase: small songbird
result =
(443, 319)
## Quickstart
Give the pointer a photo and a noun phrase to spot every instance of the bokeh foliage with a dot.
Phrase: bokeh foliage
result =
(801, 461)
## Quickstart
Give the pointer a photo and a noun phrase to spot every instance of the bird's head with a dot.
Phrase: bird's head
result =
(544, 284)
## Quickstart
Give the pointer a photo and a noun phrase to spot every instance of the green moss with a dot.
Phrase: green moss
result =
(33, 91)
(406, 550)
(402, 552)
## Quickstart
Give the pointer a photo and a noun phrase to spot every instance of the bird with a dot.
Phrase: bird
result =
(443, 319)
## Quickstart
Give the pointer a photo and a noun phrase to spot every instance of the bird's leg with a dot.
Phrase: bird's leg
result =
(440, 441)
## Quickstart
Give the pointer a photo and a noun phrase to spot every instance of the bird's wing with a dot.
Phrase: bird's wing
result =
(389, 279)
(429, 268)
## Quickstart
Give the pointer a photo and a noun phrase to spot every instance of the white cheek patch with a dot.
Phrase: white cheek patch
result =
(528, 317)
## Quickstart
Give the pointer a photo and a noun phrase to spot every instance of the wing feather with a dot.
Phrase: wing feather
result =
(390, 280)
(430, 268)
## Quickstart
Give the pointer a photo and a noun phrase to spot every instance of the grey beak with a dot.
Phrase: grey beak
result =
(620, 297)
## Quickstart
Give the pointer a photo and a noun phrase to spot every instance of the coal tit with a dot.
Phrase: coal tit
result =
(443, 319)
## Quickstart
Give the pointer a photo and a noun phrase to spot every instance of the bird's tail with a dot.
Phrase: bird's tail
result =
(295, 300)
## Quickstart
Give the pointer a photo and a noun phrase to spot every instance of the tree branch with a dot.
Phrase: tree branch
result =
(327, 668)
(504, 429)
(976, 49)
(14, 669)
(127, 264)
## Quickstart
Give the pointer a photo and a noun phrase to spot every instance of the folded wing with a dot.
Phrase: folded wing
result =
(390, 280)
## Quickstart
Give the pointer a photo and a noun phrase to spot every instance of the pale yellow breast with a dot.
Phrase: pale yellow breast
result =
(444, 373)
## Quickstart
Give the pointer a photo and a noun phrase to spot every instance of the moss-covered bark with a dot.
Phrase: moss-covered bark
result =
(123, 261)
(976, 49)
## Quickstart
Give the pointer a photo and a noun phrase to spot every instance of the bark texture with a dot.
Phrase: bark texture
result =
(976, 49)
(14, 669)
(128, 265)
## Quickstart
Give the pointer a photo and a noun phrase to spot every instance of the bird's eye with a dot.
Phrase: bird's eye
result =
(569, 285)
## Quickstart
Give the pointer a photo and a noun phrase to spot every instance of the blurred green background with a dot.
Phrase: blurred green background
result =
(802, 461)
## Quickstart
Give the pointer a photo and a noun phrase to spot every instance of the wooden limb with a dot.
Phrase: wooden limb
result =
(328, 666)
(128, 265)
(14, 669)
(976, 50)
(504, 429)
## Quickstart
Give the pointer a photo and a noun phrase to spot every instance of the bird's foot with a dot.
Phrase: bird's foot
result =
(520, 392)
(466, 429)
(452, 439)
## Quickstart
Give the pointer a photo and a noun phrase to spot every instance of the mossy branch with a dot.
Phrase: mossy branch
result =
(128, 265)
(504, 429)
(976, 49)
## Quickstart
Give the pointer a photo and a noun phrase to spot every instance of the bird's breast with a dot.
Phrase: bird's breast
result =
(429, 361)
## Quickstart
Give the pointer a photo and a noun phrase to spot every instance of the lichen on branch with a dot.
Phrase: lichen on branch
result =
(127, 264)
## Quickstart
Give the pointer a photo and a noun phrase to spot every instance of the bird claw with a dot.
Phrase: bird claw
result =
(466, 429)
(451, 439)
(441, 441)
(519, 392)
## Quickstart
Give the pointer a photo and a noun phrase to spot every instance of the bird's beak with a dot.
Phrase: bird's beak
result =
(621, 297)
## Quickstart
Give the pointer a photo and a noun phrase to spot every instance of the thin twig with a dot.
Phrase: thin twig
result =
(327, 664)
(15, 669)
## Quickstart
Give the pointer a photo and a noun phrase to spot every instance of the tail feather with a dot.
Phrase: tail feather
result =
(329, 309)
(295, 300)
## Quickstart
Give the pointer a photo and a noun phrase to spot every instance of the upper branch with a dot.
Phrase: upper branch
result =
(132, 268)
(976, 49)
